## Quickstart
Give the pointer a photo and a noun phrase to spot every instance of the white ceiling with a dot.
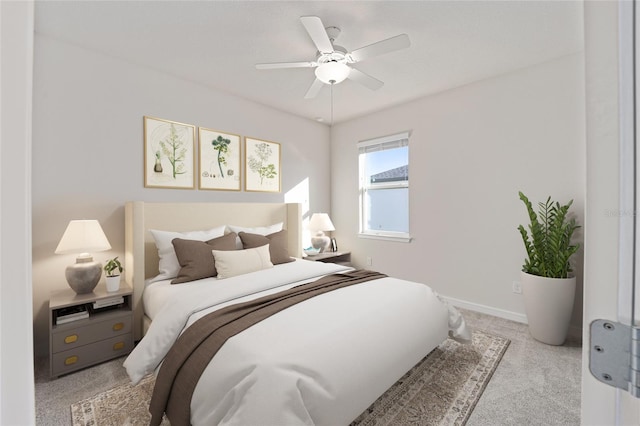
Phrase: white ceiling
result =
(217, 43)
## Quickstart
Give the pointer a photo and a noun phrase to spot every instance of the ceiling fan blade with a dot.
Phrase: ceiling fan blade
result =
(318, 34)
(277, 65)
(314, 89)
(365, 79)
(380, 48)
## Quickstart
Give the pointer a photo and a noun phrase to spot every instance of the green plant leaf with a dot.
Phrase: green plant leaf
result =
(548, 242)
(112, 265)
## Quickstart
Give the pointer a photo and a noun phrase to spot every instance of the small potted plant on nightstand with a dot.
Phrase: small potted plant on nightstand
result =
(113, 269)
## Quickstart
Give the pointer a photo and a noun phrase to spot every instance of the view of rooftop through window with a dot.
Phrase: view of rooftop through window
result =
(384, 160)
(385, 189)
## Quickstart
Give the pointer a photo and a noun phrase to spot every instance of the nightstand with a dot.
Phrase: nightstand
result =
(339, 257)
(79, 340)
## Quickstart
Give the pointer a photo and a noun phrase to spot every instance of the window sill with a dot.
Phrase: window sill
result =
(402, 238)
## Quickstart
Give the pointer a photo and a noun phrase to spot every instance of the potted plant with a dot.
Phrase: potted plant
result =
(548, 286)
(113, 269)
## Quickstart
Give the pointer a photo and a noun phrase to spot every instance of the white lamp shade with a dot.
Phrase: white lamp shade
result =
(321, 222)
(83, 236)
(332, 72)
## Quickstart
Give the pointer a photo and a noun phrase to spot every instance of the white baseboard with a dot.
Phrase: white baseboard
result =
(575, 331)
(500, 313)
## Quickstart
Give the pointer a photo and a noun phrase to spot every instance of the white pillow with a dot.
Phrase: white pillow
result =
(238, 262)
(169, 265)
(260, 230)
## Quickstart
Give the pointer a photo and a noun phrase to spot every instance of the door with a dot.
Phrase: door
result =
(611, 253)
(629, 284)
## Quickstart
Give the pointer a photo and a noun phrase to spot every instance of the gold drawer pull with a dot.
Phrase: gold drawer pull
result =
(71, 339)
(71, 360)
(118, 346)
(118, 326)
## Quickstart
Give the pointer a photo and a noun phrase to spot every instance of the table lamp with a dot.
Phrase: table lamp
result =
(319, 223)
(83, 236)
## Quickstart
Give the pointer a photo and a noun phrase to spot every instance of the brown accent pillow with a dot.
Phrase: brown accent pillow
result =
(278, 247)
(196, 259)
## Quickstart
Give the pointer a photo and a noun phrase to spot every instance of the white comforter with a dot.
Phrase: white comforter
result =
(323, 361)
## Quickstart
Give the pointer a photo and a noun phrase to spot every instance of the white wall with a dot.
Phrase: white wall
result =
(471, 150)
(88, 150)
(17, 405)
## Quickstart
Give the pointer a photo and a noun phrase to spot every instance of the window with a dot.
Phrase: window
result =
(384, 187)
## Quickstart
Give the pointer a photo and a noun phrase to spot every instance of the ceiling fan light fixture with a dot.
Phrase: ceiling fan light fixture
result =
(332, 72)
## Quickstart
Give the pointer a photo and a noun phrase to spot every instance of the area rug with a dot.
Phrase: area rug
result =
(441, 389)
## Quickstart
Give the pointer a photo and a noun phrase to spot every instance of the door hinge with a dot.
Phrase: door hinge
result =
(614, 355)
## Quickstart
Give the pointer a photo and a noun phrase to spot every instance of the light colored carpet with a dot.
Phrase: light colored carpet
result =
(534, 385)
(442, 389)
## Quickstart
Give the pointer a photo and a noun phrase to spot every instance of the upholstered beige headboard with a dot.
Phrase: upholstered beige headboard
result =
(141, 255)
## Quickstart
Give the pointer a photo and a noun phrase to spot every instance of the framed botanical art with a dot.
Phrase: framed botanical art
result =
(262, 165)
(219, 160)
(169, 159)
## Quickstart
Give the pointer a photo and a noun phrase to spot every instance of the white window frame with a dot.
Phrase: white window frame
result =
(371, 145)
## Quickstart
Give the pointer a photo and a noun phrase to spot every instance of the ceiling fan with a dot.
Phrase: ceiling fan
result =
(332, 62)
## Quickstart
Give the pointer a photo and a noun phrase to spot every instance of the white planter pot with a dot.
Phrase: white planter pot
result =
(113, 283)
(548, 303)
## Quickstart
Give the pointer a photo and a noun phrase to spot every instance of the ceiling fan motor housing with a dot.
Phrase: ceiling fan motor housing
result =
(339, 54)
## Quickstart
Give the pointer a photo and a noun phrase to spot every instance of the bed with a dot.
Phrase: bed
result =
(321, 361)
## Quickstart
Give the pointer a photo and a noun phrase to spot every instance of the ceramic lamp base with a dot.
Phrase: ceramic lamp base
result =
(320, 242)
(83, 276)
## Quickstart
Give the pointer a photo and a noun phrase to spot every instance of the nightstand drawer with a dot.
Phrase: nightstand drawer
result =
(93, 331)
(106, 334)
(83, 356)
